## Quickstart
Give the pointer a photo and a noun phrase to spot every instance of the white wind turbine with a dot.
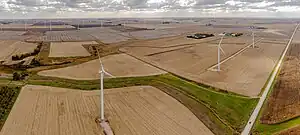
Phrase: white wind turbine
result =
(253, 40)
(50, 26)
(220, 49)
(102, 72)
(25, 25)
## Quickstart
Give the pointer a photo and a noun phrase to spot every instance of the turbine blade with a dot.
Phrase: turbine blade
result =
(100, 61)
(220, 45)
(106, 73)
(212, 45)
(222, 50)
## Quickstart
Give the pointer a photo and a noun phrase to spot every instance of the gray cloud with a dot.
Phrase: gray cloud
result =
(54, 6)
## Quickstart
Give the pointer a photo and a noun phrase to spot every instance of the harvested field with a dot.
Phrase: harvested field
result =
(69, 49)
(297, 37)
(284, 101)
(274, 31)
(58, 36)
(14, 35)
(10, 48)
(292, 131)
(189, 61)
(152, 47)
(246, 73)
(140, 110)
(106, 35)
(30, 26)
(119, 65)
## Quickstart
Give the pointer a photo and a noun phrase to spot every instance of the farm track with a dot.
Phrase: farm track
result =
(234, 55)
(267, 88)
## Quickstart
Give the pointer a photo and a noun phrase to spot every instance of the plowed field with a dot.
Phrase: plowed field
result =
(119, 65)
(247, 73)
(69, 49)
(292, 131)
(284, 102)
(42, 110)
(8, 48)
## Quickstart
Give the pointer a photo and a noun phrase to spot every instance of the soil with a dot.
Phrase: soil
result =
(284, 102)
(119, 65)
(131, 110)
(69, 49)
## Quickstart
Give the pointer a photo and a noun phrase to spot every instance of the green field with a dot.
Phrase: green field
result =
(8, 96)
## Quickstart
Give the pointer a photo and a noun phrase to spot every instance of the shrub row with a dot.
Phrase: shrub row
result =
(8, 96)
(25, 55)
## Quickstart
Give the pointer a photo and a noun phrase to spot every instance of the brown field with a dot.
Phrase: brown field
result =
(191, 58)
(29, 26)
(119, 65)
(42, 110)
(105, 35)
(291, 131)
(284, 101)
(59, 36)
(13, 35)
(69, 49)
(246, 73)
(297, 37)
(11, 47)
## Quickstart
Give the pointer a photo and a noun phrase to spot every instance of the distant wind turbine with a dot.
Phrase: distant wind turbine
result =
(253, 40)
(219, 54)
(50, 26)
(25, 25)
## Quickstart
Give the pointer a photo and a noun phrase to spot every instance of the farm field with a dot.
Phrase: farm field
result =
(29, 26)
(119, 65)
(49, 110)
(106, 35)
(283, 103)
(12, 47)
(246, 73)
(297, 37)
(14, 35)
(69, 49)
(58, 36)
(292, 131)
(188, 62)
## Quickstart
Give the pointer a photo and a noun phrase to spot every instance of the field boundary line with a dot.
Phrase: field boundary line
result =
(189, 95)
(262, 99)
(176, 49)
(233, 55)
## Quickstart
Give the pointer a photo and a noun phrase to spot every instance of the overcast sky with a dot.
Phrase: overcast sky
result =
(148, 8)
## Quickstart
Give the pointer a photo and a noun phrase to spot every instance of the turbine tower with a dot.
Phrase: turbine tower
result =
(253, 41)
(102, 72)
(219, 53)
(25, 25)
(50, 26)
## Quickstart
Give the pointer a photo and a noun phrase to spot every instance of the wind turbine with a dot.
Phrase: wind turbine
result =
(102, 72)
(220, 49)
(219, 53)
(253, 40)
(25, 25)
(50, 25)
